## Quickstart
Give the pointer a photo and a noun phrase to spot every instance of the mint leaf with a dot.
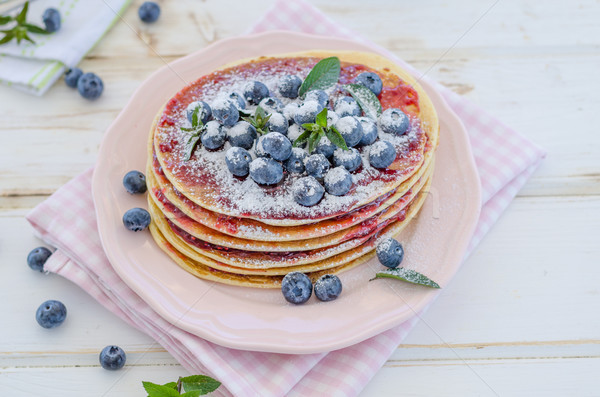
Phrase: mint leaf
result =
(23, 14)
(194, 139)
(336, 138)
(321, 119)
(5, 19)
(365, 98)
(19, 31)
(204, 384)
(194, 393)
(314, 139)
(172, 385)
(303, 137)
(407, 275)
(259, 120)
(155, 390)
(34, 29)
(322, 76)
(7, 37)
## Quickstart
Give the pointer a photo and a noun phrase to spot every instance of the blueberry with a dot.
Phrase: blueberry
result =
(390, 253)
(349, 159)
(72, 77)
(325, 147)
(277, 146)
(332, 118)
(38, 257)
(90, 86)
(238, 161)
(307, 112)
(370, 80)
(214, 136)
(149, 12)
(289, 86)
(136, 219)
(135, 182)
(51, 18)
(328, 287)
(51, 314)
(242, 134)
(204, 113)
(318, 95)
(316, 165)
(347, 106)
(254, 92)
(266, 171)
(294, 131)
(369, 131)
(295, 163)
(289, 111)
(259, 149)
(351, 130)
(277, 123)
(112, 358)
(271, 105)
(238, 100)
(338, 181)
(225, 111)
(394, 121)
(296, 287)
(382, 154)
(307, 191)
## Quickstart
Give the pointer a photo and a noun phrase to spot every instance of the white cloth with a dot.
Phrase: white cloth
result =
(33, 68)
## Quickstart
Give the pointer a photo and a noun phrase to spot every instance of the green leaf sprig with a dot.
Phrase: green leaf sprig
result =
(313, 132)
(189, 386)
(368, 102)
(196, 131)
(259, 120)
(408, 275)
(21, 28)
(323, 75)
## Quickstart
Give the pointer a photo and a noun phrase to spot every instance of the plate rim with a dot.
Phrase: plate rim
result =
(473, 202)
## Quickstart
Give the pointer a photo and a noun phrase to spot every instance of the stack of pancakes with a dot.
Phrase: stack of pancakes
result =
(228, 229)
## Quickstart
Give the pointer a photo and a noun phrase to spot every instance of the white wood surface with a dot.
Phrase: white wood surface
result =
(520, 318)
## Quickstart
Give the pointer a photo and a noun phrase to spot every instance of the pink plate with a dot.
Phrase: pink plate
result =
(255, 319)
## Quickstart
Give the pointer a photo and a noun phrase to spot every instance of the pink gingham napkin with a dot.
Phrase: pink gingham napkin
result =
(66, 220)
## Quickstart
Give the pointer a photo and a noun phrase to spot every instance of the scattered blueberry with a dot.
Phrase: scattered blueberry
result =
(266, 171)
(316, 165)
(135, 182)
(254, 92)
(351, 130)
(369, 131)
(307, 112)
(238, 161)
(338, 181)
(225, 111)
(51, 18)
(307, 191)
(382, 154)
(394, 121)
(289, 111)
(242, 134)
(149, 12)
(51, 314)
(238, 100)
(277, 123)
(112, 358)
(347, 106)
(349, 159)
(90, 86)
(295, 163)
(325, 147)
(214, 136)
(370, 80)
(277, 146)
(38, 257)
(136, 219)
(390, 253)
(318, 95)
(296, 287)
(72, 77)
(271, 105)
(328, 287)
(204, 113)
(289, 86)
(294, 131)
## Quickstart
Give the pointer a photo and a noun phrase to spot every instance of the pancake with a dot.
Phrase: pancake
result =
(205, 180)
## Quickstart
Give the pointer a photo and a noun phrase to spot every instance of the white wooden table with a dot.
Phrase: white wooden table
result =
(522, 315)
